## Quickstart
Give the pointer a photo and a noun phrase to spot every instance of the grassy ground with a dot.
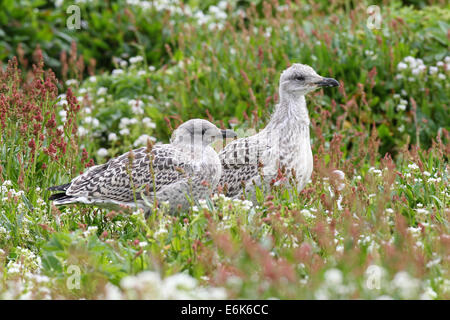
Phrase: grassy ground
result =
(372, 223)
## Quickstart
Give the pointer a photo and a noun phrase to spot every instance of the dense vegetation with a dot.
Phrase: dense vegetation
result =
(372, 223)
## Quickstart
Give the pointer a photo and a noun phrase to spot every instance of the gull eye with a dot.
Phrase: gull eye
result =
(203, 131)
(300, 78)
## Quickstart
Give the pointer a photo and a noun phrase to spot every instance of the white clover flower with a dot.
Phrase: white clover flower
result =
(441, 76)
(408, 286)
(433, 263)
(117, 72)
(142, 140)
(176, 283)
(307, 214)
(148, 123)
(71, 82)
(161, 231)
(92, 79)
(62, 102)
(376, 171)
(433, 70)
(124, 122)
(409, 59)
(422, 211)
(141, 73)
(124, 132)
(447, 59)
(143, 244)
(401, 107)
(123, 63)
(136, 106)
(102, 152)
(428, 294)
(82, 131)
(100, 101)
(112, 137)
(63, 115)
(151, 68)
(7, 183)
(413, 166)
(333, 277)
(389, 211)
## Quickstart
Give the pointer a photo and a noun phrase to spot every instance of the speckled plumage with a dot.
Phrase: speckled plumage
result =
(283, 144)
(187, 169)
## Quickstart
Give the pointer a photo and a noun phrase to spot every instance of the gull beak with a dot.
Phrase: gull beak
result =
(327, 82)
(228, 133)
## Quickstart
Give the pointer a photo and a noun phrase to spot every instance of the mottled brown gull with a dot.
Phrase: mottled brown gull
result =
(181, 172)
(283, 144)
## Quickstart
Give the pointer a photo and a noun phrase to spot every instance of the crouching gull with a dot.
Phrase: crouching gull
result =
(283, 147)
(181, 172)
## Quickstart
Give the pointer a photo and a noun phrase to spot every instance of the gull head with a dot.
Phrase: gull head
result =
(299, 79)
(199, 131)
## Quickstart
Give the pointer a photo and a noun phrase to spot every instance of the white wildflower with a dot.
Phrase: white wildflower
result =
(112, 137)
(102, 91)
(142, 140)
(402, 66)
(71, 82)
(433, 70)
(333, 277)
(117, 72)
(137, 59)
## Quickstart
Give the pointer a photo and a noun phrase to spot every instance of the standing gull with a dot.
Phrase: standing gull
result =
(283, 144)
(185, 170)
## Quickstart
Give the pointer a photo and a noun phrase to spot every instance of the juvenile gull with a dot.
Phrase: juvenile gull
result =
(185, 170)
(283, 144)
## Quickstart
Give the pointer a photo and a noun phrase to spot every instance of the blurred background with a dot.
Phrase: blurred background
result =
(222, 59)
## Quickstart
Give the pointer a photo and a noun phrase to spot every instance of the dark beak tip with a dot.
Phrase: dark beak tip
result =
(328, 82)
